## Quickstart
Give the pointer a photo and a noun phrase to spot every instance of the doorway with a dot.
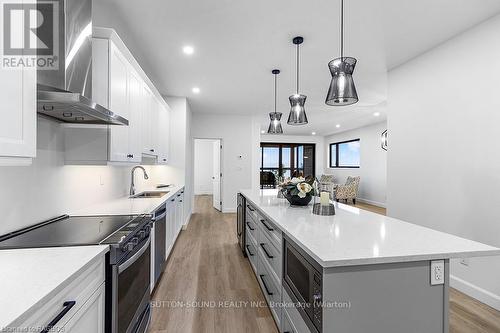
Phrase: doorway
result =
(208, 170)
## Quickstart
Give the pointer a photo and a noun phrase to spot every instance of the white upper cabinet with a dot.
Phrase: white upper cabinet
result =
(163, 135)
(119, 74)
(18, 113)
(119, 84)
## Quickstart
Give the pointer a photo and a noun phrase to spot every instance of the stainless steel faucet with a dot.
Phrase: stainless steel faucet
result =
(132, 183)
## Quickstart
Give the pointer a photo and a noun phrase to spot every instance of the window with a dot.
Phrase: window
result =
(285, 160)
(345, 154)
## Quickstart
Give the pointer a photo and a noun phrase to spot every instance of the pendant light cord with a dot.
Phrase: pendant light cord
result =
(298, 68)
(341, 30)
(275, 89)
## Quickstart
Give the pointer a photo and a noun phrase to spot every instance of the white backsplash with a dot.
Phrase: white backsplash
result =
(48, 188)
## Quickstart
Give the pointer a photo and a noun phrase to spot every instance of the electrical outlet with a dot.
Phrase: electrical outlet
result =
(464, 261)
(437, 272)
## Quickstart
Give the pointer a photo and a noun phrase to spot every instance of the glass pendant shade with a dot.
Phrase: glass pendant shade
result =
(275, 123)
(342, 90)
(297, 114)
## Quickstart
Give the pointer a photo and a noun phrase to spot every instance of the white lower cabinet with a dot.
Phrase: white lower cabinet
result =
(78, 307)
(90, 317)
(175, 209)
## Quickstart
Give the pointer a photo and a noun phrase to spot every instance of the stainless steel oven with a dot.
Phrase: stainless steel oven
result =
(130, 297)
(302, 277)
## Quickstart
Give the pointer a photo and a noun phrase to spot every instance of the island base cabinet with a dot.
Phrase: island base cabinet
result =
(385, 298)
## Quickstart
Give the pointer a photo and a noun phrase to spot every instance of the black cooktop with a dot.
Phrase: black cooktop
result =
(72, 231)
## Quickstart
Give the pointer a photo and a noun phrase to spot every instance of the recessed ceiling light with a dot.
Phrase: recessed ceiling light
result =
(313, 133)
(262, 131)
(196, 90)
(376, 114)
(188, 50)
(338, 125)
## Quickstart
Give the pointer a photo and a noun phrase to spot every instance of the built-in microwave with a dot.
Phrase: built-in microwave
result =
(302, 277)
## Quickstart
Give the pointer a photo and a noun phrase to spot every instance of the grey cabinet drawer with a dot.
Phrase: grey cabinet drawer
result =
(270, 230)
(251, 227)
(252, 252)
(297, 324)
(271, 256)
(252, 212)
(286, 323)
(271, 291)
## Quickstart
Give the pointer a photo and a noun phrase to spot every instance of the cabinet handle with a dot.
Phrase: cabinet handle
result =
(249, 227)
(265, 251)
(172, 200)
(67, 306)
(152, 150)
(270, 293)
(164, 160)
(249, 252)
(130, 156)
(266, 225)
(180, 200)
(251, 209)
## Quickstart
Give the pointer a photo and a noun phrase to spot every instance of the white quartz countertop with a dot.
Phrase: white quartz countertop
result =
(30, 277)
(357, 237)
(129, 206)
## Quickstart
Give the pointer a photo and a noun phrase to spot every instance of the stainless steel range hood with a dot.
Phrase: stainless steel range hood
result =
(65, 94)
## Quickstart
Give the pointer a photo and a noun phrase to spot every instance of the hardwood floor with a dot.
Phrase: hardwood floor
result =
(206, 266)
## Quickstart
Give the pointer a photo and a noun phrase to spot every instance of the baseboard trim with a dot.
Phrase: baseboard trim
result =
(186, 222)
(371, 202)
(229, 210)
(476, 292)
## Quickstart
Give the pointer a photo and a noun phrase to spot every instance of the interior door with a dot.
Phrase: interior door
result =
(216, 178)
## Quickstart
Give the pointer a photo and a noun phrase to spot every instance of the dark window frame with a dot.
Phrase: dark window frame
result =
(337, 165)
(292, 156)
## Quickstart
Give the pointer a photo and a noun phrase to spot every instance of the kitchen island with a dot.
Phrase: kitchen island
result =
(356, 271)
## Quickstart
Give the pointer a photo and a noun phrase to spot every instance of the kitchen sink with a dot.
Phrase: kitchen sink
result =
(150, 194)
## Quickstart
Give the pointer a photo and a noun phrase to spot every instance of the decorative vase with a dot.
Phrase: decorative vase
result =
(295, 200)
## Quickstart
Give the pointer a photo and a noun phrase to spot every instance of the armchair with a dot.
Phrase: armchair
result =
(349, 190)
(327, 184)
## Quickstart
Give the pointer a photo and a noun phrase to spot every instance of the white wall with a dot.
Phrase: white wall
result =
(373, 163)
(48, 188)
(203, 166)
(444, 148)
(317, 140)
(236, 132)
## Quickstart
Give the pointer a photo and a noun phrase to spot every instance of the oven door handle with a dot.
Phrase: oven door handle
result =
(156, 218)
(136, 255)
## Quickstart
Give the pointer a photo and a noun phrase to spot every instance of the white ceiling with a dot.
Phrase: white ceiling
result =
(238, 43)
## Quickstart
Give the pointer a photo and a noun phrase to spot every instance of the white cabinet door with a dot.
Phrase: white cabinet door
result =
(118, 103)
(155, 113)
(18, 114)
(135, 117)
(147, 144)
(170, 225)
(163, 135)
(90, 317)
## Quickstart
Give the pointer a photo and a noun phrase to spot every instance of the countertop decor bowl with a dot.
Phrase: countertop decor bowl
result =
(295, 200)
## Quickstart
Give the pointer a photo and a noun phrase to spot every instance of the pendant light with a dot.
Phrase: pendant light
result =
(297, 114)
(342, 90)
(275, 124)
